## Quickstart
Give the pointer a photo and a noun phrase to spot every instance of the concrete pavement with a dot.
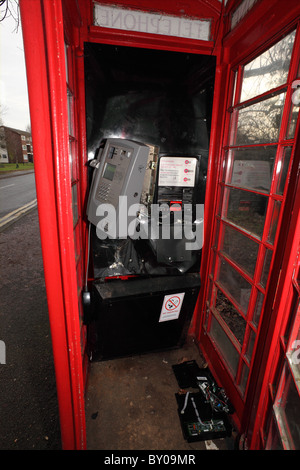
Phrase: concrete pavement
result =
(28, 413)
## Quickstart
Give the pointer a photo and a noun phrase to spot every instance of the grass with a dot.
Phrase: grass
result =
(7, 167)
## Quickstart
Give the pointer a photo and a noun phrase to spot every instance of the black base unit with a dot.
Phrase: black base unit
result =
(140, 315)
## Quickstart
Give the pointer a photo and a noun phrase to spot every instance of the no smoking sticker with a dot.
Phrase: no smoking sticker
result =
(171, 307)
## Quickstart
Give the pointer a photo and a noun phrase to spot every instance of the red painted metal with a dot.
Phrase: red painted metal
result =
(42, 24)
(45, 23)
(278, 292)
(203, 9)
(252, 45)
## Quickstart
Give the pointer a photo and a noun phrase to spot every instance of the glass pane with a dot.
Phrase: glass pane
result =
(216, 234)
(76, 244)
(229, 353)
(66, 62)
(236, 286)
(234, 87)
(250, 346)
(282, 169)
(209, 292)
(260, 122)
(252, 168)
(269, 70)
(244, 378)
(274, 440)
(71, 113)
(240, 248)
(72, 160)
(288, 408)
(231, 316)
(274, 221)
(258, 306)
(74, 204)
(292, 334)
(266, 267)
(292, 122)
(246, 209)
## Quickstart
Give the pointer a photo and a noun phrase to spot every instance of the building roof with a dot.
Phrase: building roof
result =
(18, 131)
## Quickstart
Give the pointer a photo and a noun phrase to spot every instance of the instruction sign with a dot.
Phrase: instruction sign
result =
(177, 171)
(252, 174)
(171, 307)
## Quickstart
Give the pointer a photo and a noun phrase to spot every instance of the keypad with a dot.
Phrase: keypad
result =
(103, 191)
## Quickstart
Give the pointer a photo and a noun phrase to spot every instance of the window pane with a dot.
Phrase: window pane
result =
(246, 209)
(266, 267)
(288, 410)
(274, 440)
(292, 122)
(269, 70)
(71, 113)
(72, 159)
(258, 307)
(229, 353)
(74, 204)
(244, 378)
(282, 169)
(252, 167)
(231, 316)
(293, 334)
(274, 221)
(250, 346)
(260, 122)
(236, 286)
(240, 248)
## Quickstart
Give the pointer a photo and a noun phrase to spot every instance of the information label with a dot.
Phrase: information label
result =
(171, 307)
(177, 171)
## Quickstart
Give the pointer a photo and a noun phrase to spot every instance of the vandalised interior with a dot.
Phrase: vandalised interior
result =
(160, 98)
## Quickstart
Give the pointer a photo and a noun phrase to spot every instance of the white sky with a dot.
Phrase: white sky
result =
(13, 83)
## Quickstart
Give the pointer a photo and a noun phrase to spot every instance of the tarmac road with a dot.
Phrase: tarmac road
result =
(15, 191)
(29, 416)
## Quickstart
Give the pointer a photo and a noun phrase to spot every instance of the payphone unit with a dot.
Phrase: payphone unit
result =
(133, 315)
(133, 184)
(123, 169)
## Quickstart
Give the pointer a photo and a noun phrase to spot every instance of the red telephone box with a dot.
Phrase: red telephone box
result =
(246, 319)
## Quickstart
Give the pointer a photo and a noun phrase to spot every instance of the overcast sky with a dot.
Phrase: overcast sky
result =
(13, 83)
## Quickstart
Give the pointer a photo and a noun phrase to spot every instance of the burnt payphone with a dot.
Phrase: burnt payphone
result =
(138, 199)
(150, 202)
(123, 177)
(148, 129)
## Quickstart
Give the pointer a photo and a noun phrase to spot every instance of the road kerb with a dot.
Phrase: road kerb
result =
(13, 216)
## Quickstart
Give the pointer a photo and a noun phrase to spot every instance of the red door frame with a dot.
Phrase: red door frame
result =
(43, 25)
(45, 65)
(43, 32)
(246, 41)
(279, 311)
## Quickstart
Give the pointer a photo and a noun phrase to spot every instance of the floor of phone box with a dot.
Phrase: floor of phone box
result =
(131, 404)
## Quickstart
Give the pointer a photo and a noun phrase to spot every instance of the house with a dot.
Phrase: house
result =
(3, 149)
(18, 145)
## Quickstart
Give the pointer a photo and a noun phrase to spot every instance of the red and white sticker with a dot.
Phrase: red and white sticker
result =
(171, 307)
(177, 171)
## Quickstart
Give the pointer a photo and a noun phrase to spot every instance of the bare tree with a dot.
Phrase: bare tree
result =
(10, 8)
(3, 110)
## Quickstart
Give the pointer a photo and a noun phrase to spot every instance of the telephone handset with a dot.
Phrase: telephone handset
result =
(120, 170)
